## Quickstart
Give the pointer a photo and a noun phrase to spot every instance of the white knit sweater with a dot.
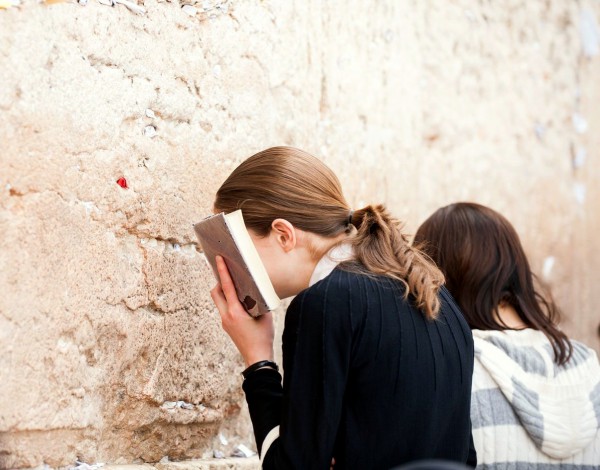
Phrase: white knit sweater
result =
(528, 413)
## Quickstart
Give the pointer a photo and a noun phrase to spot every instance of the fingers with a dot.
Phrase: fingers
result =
(219, 299)
(226, 282)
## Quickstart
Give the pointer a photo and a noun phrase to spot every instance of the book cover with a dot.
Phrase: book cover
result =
(226, 235)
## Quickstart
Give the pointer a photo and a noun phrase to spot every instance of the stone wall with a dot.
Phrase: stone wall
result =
(105, 316)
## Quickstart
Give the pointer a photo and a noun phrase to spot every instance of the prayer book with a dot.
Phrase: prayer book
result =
(226, 235)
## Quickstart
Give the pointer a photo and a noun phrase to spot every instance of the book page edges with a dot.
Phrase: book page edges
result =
(251, 258)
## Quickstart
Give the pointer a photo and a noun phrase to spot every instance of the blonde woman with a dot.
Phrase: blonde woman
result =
(377, 357)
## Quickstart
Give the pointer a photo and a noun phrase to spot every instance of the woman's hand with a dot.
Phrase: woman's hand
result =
(252, 336)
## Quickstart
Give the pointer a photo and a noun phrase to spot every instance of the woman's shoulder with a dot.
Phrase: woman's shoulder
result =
(340, 283)
(343, 287)
(529, 351)
(508, 341)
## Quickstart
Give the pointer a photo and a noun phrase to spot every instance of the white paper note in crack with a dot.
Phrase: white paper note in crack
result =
(590, 33)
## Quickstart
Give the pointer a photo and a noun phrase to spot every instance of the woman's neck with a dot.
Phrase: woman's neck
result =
(508, 316)
(296, 275)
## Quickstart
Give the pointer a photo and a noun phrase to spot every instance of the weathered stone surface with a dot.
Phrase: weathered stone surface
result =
(214, 464)
(105, 313)
(144, 466)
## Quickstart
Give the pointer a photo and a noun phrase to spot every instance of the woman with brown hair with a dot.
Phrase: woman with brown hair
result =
(377, 358)
(536, 394)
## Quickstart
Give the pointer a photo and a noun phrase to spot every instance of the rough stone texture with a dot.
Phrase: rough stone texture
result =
(105, 312)
(214, 464)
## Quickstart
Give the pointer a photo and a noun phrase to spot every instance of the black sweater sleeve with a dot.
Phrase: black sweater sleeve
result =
(316, 348)
(263, 395)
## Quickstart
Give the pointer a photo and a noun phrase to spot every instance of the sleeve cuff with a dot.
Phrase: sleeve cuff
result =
(261, 378)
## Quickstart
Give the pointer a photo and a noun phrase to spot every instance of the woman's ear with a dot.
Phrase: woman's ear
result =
(284, 233)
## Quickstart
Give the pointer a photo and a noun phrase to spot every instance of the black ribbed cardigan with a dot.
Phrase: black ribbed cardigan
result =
(368, 380)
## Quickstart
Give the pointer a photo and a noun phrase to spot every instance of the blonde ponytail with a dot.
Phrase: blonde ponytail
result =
(382, 248)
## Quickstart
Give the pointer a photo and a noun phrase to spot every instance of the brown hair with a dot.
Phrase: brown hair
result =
(485, 265)
(284, 182)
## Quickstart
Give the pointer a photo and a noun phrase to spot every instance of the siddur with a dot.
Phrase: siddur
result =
(226, 235)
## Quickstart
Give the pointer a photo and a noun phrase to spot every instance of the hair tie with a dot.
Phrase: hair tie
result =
(350, 217)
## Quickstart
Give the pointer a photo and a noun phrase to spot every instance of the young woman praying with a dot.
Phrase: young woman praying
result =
(377, 358)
